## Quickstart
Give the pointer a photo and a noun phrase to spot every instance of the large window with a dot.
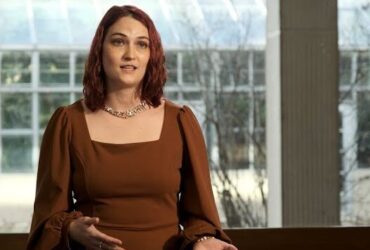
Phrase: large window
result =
(235, 150)
(32, 85)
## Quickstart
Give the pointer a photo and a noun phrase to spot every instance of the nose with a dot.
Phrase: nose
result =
(129, 52)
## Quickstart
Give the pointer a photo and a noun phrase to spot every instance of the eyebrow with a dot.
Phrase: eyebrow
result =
(121, 34)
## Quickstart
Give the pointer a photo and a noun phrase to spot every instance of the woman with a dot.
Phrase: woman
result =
(136, 179)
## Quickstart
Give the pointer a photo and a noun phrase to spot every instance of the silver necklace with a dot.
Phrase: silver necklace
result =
(127, 113)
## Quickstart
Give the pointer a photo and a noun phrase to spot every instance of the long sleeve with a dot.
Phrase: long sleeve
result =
(198, 212)
(53, 206)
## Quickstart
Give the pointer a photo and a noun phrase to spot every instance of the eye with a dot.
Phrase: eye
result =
(143, 44)
(118, 42)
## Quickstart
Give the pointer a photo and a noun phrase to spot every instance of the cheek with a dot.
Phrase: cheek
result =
(108, 57)
(146, 60)
(109, 60)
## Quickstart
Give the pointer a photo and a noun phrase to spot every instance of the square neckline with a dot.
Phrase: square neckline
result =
(127, 143)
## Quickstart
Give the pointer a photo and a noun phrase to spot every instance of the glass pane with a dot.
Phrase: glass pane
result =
(15, 68)
(190, 69)
(234, 68)
(80, 68)
(171, 77)
(189, 76)
(345, 68)
(172, 95)
(242, 77)
(51, 24)
(240, 158)
(16, 110)
(160, 18)
(49, 103)
(236, 129)
(14, 23)
(259, 77)
(78, 95)
(226, 77)
(192, 96)
(82, 13)
(259, 67)
(171, 64)
(355, 151)
(218, 18)
(228, 74)
(259, 133)
(353, 19)
(363, 68)
(54, 69)
(17, 154)
(363, 134)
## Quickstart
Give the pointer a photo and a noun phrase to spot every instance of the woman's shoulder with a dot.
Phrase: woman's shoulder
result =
(184, 114)
(171, 104)
(67, 112)
(73, 109)
(177, 107)
(75, 106)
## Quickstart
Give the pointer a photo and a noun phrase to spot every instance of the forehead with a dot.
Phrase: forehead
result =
(128, 26)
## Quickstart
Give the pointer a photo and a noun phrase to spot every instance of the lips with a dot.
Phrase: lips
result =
(128, 67)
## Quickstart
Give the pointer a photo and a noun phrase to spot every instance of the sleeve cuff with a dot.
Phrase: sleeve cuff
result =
(66, 240)
(189, 239)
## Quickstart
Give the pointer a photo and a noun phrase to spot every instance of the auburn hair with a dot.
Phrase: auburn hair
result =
(151, 87)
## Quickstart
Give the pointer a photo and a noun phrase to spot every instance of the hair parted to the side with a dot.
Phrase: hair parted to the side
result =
(151, 87)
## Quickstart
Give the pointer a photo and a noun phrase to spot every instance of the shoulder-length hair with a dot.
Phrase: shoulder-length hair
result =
(151, 87)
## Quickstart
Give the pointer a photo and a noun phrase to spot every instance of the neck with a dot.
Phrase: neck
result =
(122, 98)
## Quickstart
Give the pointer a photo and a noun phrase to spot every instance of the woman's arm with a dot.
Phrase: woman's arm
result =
(198, 213)
(53, 206)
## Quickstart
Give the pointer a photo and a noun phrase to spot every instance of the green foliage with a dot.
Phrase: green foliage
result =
(16, 110)
(15, 68)
(17, 154)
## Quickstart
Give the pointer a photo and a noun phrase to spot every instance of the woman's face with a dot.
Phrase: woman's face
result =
(125, 53)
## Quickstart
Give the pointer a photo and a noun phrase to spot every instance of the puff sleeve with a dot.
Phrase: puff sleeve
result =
(197, 208)
(53, 206)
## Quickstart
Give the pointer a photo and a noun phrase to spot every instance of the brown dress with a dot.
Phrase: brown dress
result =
(142, 192)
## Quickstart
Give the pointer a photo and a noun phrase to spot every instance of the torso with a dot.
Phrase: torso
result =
(145, 126)
(132, 187)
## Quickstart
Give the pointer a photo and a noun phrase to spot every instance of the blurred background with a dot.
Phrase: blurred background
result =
(215, 55)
